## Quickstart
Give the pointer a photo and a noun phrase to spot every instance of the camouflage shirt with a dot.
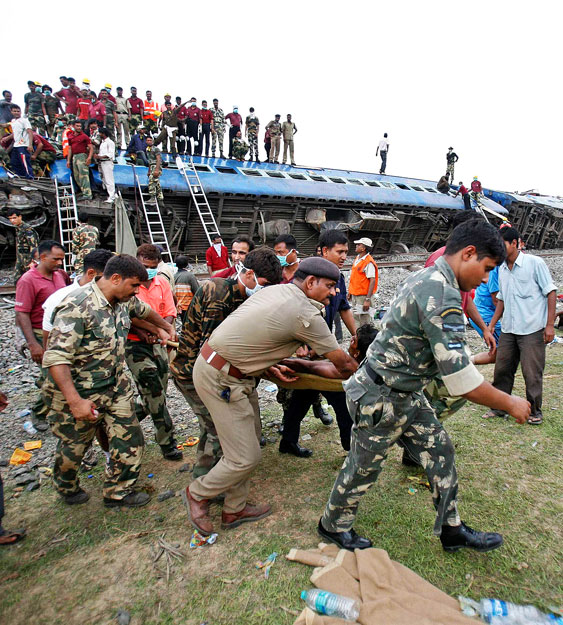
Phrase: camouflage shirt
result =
(275, 128)
(33, 100)
(422, 337)
(252, 124)
(89, 336)
(218, 118)
(84, 240)
(110, 109)
(212, 303)
(152, 154)
(26, 240)
(51, 105)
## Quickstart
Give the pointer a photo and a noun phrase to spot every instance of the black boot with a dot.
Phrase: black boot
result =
(408, 461)
(322, 414)
(286, 447)
(463, 536)
(347, 540)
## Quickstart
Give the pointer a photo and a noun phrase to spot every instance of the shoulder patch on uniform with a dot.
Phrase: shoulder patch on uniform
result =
(453, 327)
(455, 345)
(451, 311)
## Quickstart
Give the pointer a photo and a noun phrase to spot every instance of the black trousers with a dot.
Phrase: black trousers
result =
(232, 134)
(193, 133)
(267, 146)
(181, 142)
(299, 405)
(529, 351)
(467, 202)
(205, 134)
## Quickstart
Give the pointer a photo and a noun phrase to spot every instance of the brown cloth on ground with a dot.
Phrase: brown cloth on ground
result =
(309, 381)
(388, 591)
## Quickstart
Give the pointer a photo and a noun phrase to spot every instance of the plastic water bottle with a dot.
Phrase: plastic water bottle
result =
(498, 612)
(324, 602)
(28, 427)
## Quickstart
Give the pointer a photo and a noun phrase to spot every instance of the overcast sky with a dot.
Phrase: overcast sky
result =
(482, 77)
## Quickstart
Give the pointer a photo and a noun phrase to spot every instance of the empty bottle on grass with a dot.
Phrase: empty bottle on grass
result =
(328, 603)
(29, 428)
(498, 612)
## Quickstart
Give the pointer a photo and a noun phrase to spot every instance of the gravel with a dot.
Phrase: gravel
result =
(18, 374)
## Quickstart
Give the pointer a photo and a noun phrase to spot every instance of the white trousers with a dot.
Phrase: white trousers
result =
(106, 171)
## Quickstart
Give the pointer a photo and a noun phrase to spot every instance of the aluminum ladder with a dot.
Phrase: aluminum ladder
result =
(199, 198)
(68, 219)
(153, 219)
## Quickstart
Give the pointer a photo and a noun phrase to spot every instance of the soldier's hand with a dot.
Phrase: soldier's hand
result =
(84, 410)
(167, 335)
(283, 373)
(68, 165)
(520, 409)
(36, 352)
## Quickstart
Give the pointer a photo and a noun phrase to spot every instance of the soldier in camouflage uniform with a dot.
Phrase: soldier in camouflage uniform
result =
(155, 170)
(148, 360)
(35, 107)
(451, 159)
(240, 147)
(79, 158)
(218, 130)
(213, 302)
(422, 336)
(26, 240)
(110, 120)
(251, 131)
(87, 384)
(85, 239)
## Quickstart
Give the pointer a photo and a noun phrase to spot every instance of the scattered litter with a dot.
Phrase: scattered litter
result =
(421, 481)
(47, 471)
(412, 490)
(123, 617)
(191, 441)
(534, 443)
(12, 369)
(29, 427)
(90, 476)
(306, 437)
(271, 388)
(24, 413)
(198, 540)
(167, 494)
(20, 456)
(170, 551)
(522, 565)
(267, 564)
(150, 475)
(31, 445)
(557, 339)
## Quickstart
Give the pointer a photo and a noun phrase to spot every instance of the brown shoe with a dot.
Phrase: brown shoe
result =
(246, 515)
(198, 513)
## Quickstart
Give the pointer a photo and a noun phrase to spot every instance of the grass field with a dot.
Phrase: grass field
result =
(79, 565)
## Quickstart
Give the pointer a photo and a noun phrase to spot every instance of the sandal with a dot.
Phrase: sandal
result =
(10, 537)
(536, 419)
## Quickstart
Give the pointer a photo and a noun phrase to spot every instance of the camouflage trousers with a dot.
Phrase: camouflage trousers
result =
(39, 164)
(381, 416)
(476, 201)
(253, 145)
(22, 265)
(239, 151)
(39, 409)
(217, 136)
(149, 367)
(38, 123)
(125, 442)
(110, 125)
(4, 155)
(450, 170)
(135, 121)
(283, 397)
(81, 173)
(151, 126)
(154, 188)
(208, 452)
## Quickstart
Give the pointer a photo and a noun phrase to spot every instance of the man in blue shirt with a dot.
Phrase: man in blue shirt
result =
(526, 303)
(486, 303)
(334, 247)
(138, 146)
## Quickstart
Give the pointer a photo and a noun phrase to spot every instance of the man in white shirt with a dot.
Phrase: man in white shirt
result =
(105, 163)
(20, 156)
(363, 282)
(94, 264)
(382, 150)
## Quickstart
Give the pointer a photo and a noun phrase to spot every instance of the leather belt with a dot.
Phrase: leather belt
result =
(218, 362)
(374, 377)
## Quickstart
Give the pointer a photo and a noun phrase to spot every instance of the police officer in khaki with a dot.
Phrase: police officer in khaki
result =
(250, 341)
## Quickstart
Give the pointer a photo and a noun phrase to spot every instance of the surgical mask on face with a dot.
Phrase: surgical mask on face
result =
(47, 92)
(250, 292)
(151, 272)
(235, 110)
(37, 89)
(204, 107)
(282, 259)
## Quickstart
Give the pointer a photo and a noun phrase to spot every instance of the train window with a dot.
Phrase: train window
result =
(204, 168)
(417, 188)
(251, 172)
(317, 178)
(355, 181)
(275, 174)
(403, 186)
(297, 176)
(431, 190)
(337, 180)
(226, 170)
(372, 183)
(389, 185)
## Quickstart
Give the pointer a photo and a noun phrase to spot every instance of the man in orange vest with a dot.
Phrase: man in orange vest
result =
(150, 116)
(363, 282)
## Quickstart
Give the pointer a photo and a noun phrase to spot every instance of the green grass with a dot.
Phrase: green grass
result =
(104, 562)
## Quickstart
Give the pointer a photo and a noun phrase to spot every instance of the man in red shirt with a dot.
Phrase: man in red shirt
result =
(147, 359)
(69, 94)
(193, 125)
(182, 115)
(464, 196)
(240, 247)
(235, 124)
(97, 111)
(217, 256)
(206, 127)
(137, 110)
(32, 289)
(83, 105)
(80, 152)
(44, 154)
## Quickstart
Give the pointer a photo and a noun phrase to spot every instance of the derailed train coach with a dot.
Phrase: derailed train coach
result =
(263, 200)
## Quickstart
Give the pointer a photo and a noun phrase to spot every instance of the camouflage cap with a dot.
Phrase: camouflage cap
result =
(320, 268)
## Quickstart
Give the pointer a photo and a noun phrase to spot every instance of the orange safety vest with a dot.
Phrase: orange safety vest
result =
(359, 282)
(65, 141)
(150, 110)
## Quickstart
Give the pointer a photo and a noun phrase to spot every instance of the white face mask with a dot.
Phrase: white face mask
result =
(249, 291)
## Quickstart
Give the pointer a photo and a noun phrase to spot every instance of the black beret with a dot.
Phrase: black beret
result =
(320, 268)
